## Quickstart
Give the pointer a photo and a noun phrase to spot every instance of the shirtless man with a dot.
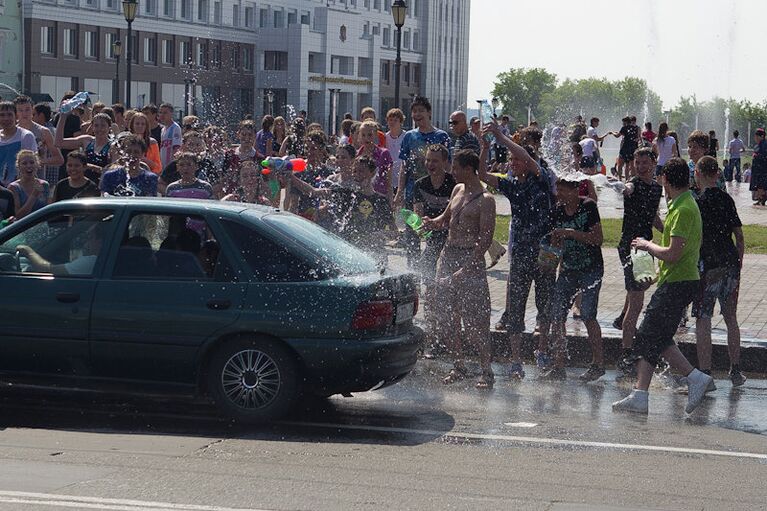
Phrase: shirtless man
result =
(470, 222)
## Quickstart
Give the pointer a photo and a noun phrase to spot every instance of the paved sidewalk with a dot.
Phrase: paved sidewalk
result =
(752, 308)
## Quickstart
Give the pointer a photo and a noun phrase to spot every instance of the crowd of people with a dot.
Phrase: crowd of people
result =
(355, 183)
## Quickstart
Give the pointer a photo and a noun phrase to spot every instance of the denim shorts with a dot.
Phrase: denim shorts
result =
(569, 284)
(720, 284)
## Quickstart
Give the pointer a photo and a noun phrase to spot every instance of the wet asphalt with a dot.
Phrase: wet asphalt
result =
(416, 445)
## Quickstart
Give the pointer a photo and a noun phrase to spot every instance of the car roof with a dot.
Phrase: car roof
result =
(167, 204)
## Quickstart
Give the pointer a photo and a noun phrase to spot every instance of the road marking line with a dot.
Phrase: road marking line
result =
(520, 424)
(537, 440)
(75, 501)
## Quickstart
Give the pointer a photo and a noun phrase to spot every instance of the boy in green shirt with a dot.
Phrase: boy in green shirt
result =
(677, 285)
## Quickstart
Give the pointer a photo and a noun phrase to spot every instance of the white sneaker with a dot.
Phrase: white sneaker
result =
(636, 402)
(697, 386)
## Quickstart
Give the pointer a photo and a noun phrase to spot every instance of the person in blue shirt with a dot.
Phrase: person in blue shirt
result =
(413, 155)
(131, 179)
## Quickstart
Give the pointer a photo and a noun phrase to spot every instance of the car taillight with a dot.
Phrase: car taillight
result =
(372, 315)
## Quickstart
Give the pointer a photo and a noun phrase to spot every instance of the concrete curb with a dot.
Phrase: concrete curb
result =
(753, 357)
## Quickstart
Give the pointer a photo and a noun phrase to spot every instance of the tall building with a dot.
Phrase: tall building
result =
(231, 57)
(11, 62)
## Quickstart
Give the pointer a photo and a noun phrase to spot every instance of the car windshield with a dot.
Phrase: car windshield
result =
(328, 247)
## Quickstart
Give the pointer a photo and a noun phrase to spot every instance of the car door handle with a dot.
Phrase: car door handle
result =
(68, 297)
(217, 305)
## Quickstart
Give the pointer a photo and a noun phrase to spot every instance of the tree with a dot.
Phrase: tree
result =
(521, 87)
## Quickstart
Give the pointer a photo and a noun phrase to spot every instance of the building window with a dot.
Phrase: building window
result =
(70, 42)
(364, 68)
(275, 60)
(386, 36)
(167, 8)
(416, 44)
(377, 29)
(279, 17)
(385, 71)
(150, 50)
(341, 65)
(89, 3)
(377, 5)
(236, 57)
(47, 40)
(414, 8)
(235, 15)
(305, 17)
(316, 62)
(111, 4)
(215, 56)
(249, 17)
(184, 52)
(217, 13)
(91, 44)
(292, 18)
(201, 56)
(109, 41)
(202, 10)
(186, 9)
(167, 51)
(406, 39)
(416, 74)
(263, 17)
(149, 6)
(247, 59)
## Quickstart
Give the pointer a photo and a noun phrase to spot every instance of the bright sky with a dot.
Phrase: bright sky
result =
(681, 47)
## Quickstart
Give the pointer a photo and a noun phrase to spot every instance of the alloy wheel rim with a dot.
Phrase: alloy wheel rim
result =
(250, 379)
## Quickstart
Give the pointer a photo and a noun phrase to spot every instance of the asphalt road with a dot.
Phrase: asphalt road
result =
(417, 445)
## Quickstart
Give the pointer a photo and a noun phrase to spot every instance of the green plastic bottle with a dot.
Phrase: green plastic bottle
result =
(415, 222)
(4, 222)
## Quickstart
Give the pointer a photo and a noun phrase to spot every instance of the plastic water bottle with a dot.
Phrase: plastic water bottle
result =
(643, 266)
(415, 222)
(77, 100)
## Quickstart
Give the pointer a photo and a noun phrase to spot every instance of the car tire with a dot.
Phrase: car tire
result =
(253, 380)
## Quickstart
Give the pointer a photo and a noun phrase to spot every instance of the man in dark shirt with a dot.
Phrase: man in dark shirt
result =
(71, 129)
(430, 199)
(629, 144)
(640, 213)
(578, 233)
(462, 137)
(720, 264)
(529, 193)
(155, 128)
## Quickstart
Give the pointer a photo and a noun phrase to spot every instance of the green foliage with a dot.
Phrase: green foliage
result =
(518, 88)
(755, 235)
(552, 101)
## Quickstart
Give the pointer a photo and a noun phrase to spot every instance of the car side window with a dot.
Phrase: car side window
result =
(65, 244)
(170, 247)
(268, 261)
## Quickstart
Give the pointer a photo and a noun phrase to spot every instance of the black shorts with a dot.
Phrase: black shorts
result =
(523, 271)
(717, 285)
(662, 317)
(624, 253)
(587, 162)
(627, 154)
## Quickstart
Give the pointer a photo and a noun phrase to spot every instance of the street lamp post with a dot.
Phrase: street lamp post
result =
(398, 12)
(270, 100)
(334, 111)
(117, 51)
(130, 7)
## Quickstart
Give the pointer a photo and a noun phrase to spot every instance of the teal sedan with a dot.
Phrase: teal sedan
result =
(247, 304)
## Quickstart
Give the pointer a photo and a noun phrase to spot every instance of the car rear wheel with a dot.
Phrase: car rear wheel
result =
(253, 380)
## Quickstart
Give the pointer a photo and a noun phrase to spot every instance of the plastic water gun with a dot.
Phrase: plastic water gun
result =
(282, 165)
(71, 104)
(415, 222)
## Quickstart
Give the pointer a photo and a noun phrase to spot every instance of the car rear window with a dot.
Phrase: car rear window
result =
(327, 247)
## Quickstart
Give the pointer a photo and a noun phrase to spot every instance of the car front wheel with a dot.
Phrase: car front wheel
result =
(253, 380)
